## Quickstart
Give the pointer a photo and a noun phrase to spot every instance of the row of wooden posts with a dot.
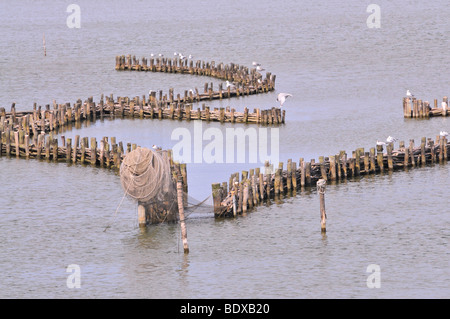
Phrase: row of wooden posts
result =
(414, 108)
(49, 118)
(106, 153)
(254, 187)
(243, 78)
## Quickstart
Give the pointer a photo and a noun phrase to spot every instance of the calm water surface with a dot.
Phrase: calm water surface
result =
(347, 81)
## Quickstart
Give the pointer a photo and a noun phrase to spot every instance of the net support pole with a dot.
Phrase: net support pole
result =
(181, 213)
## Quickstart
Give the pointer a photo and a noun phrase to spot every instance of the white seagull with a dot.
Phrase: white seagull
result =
(229, 84)
(443, 133)
(256, 63)
(282, 98)
(175, 53)
(152, 55)
(409, 94)
(190, 56)
(155, 147)
(380, 143)
(161, 54)
(259, 68)
(391, 139)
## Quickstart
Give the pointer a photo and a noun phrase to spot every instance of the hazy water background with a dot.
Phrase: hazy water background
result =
(348, 82)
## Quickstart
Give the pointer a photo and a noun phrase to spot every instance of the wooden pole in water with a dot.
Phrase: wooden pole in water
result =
(16, 142)
(141, 215)
(43, 42)
(217, 198)
(321, 185)
(181, 214)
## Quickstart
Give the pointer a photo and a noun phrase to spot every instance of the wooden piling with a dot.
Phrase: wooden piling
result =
(181, 214)
(217, 198)
(380, 157)
(389, 148)
(16, 143)
(142, 216)
(321, 185)
(93, 151)
(333, 168)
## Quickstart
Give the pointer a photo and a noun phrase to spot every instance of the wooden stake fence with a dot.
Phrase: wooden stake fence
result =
(414, 108)
(246, 80)
(255, 187)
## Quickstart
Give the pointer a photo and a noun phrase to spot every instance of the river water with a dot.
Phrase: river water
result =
(347, 82)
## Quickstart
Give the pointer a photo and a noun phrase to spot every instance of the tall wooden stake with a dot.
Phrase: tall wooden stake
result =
(321, 185)
(181, 213)
(43, 42)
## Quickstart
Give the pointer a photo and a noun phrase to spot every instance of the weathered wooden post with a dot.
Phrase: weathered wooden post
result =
(389, 148)
(380, 157)
(321, 185)
(16, 142)
(181, 214)
(217, 198)
(142, 219)
(423, 158)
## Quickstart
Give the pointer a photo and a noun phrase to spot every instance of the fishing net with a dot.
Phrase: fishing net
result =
(145, 175)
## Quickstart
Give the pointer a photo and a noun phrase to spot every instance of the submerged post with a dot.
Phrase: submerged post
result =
(321, 185)
(181, 213)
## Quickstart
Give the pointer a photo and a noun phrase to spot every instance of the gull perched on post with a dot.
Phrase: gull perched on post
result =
(380, 143)
(282, 98)
(443, 133)
(409, 94)
(256, 63)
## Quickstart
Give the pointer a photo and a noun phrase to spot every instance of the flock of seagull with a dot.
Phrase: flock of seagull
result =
(282, 97)
(441, 133)
(181, 56)
(443, 103)
(391, 139)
